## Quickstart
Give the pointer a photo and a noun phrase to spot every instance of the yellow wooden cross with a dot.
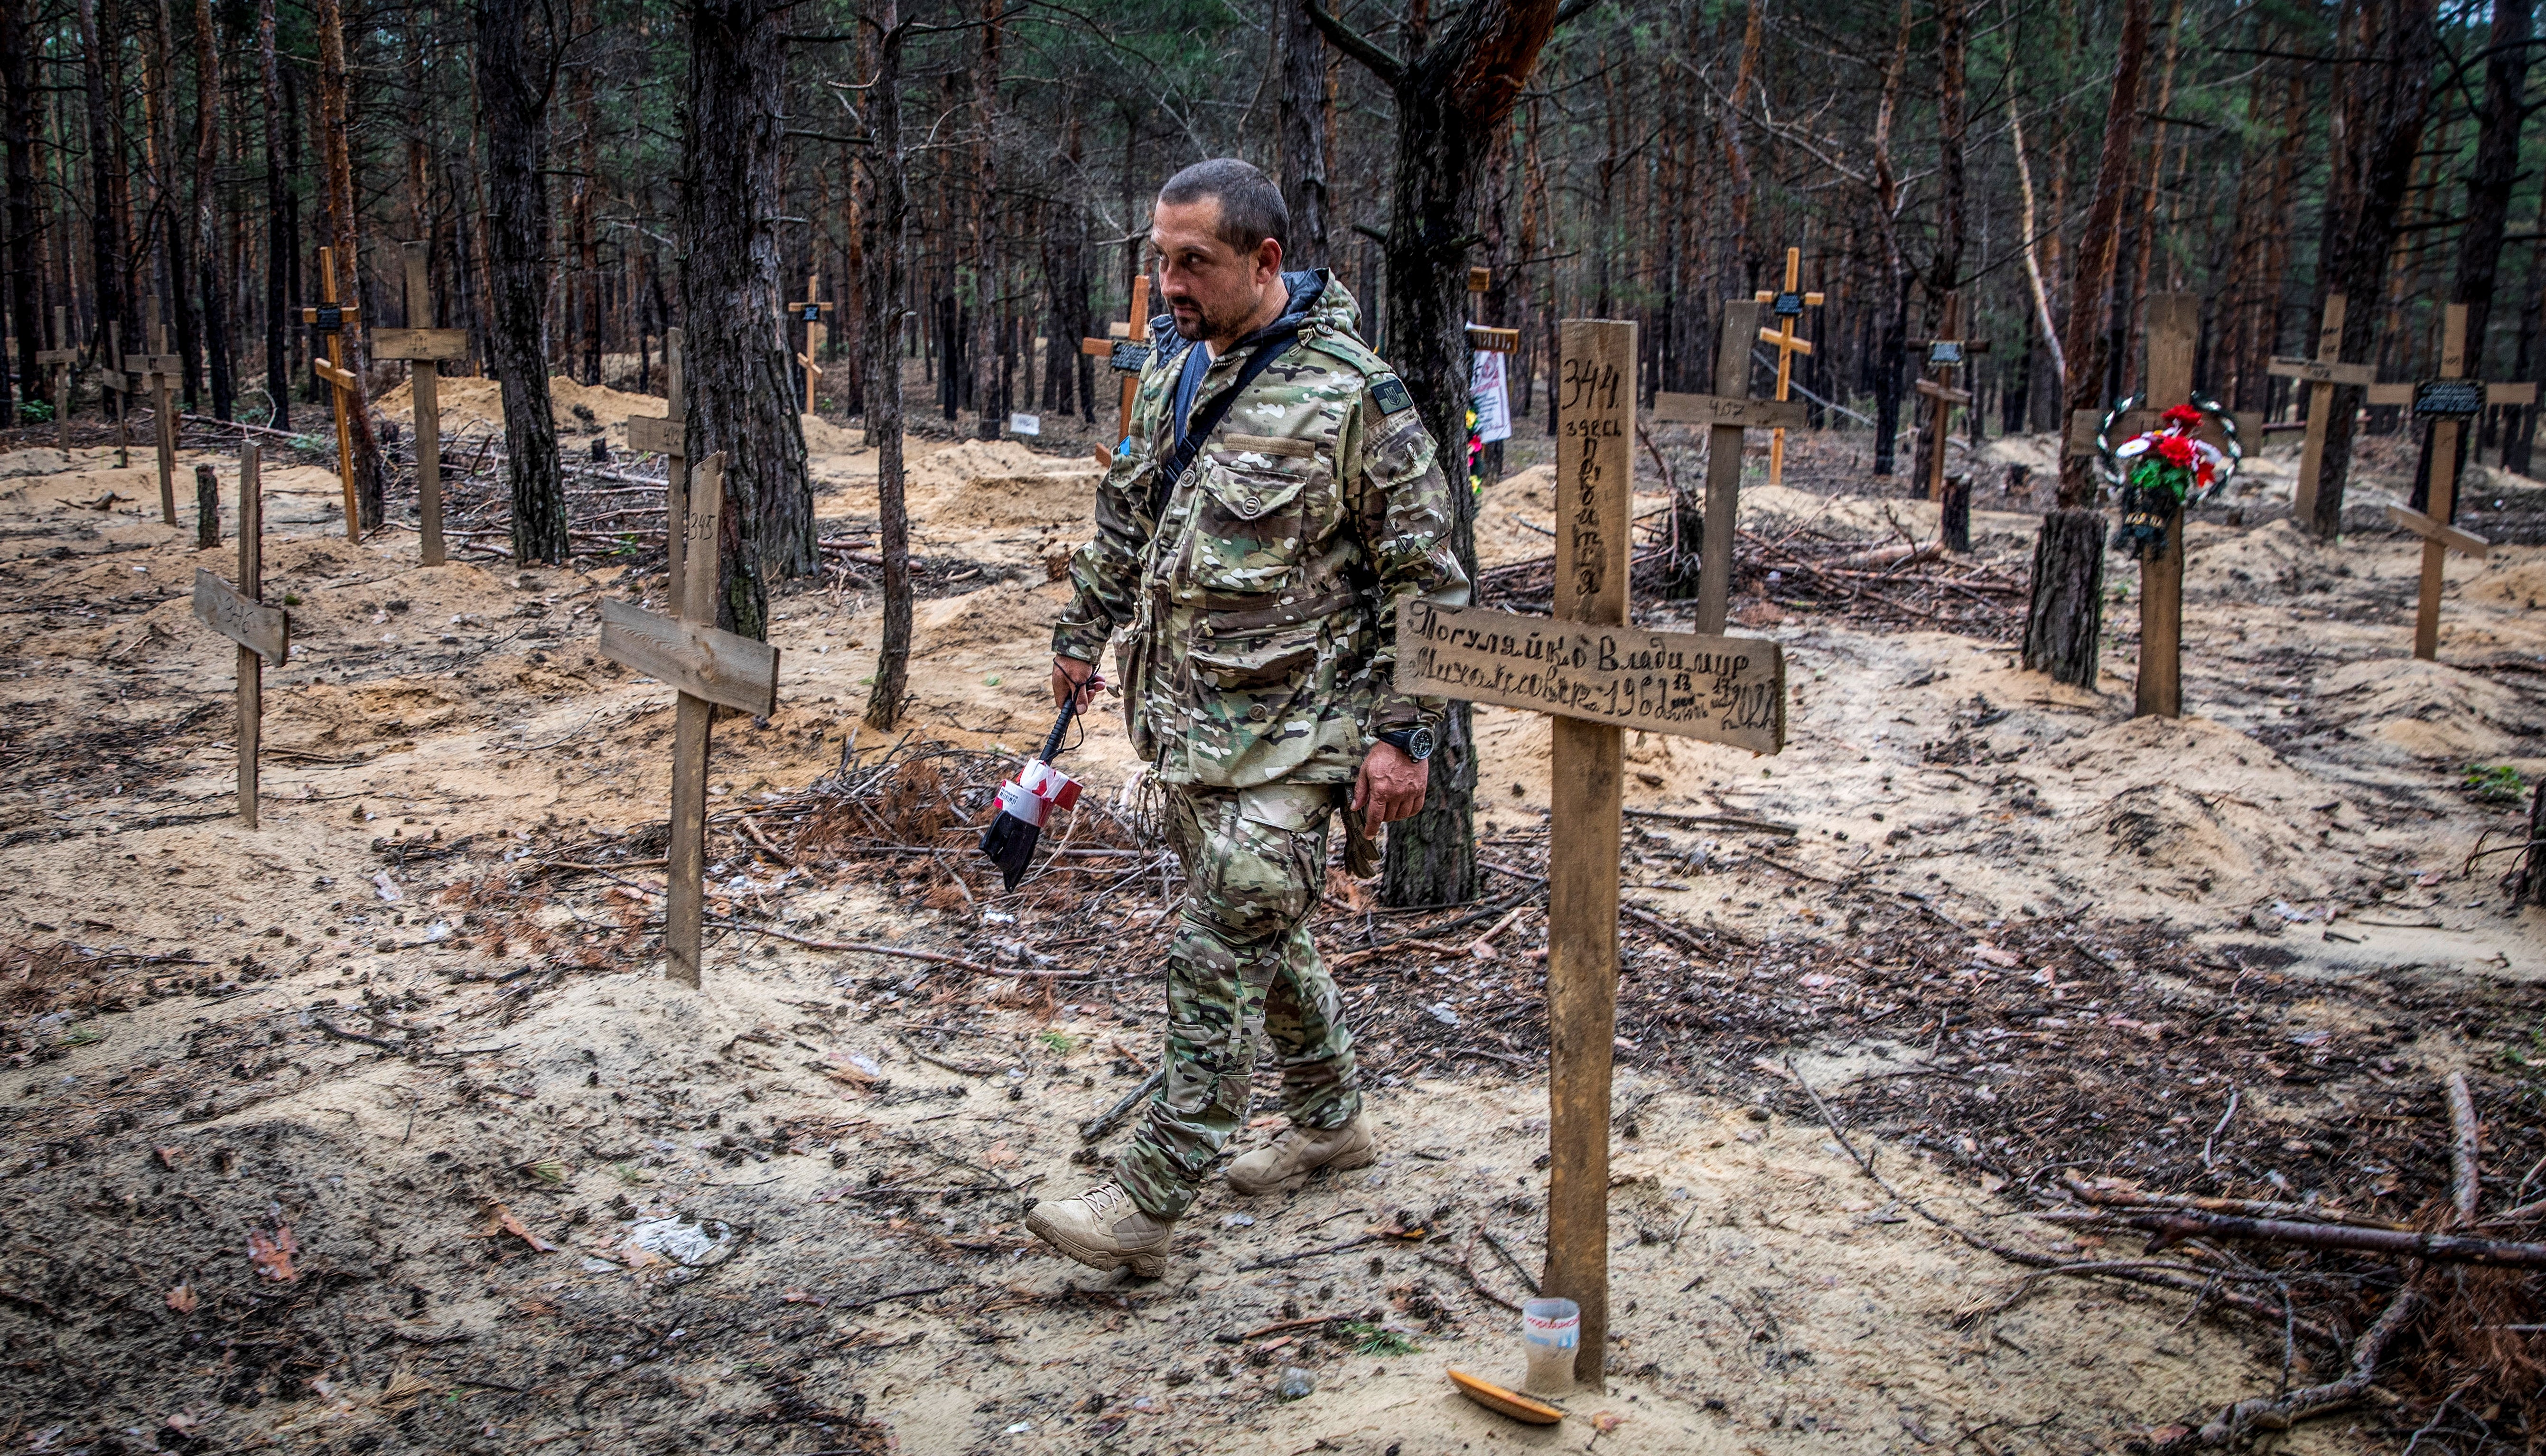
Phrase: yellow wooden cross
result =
(1126, 351)
(810, 308)
(329, 318)
(1786, 306)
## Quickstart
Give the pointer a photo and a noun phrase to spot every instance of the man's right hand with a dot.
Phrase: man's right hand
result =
(1071, 675)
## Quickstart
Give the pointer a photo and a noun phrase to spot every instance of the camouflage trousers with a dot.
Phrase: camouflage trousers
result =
(1242, 968)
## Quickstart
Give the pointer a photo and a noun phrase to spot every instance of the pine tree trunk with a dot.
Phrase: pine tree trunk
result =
(741, 399)
(371, 472)
(106, 250)
(2065, 618)
(16, 137)
(1300, 134)
(206, 219)
(280, 244)
(990, 277)
(886, 238)
(1452, 94)
(2392, 96)
(513, 96)
(2496, 168)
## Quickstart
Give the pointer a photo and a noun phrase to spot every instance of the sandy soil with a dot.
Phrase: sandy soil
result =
(531, 1197)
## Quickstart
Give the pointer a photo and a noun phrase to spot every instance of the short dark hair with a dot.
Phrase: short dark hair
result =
(1250, 206)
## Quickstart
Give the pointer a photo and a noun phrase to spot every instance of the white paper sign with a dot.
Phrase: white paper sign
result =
(1025, 424)
(1493, 407)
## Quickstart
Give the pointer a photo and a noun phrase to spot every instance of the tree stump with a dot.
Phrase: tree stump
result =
(2063, 629)
(2531, 886)
(1953, 513)
(208, 508)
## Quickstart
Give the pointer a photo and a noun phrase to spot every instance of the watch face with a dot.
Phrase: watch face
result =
(1418, 744)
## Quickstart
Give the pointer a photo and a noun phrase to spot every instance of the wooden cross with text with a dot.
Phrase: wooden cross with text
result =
(1785, 306)
(2449, 402)
(709, 667)
(1945, 356)
(1124, 352)
(156, 371)
(810, 308)
(329, 318)
(424, 348)
(1599, 677)
(666, 435)
(1728, 412)
(263, 633)
(61, 360)
(2324, 372)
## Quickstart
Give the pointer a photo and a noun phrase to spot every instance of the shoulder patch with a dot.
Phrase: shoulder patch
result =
(1391, 396)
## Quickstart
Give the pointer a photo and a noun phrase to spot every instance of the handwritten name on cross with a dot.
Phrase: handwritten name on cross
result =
(812, 309)
(1786, 306)
(1125, 352)
(1728, 412)
(1598, 676)
(425, 349)
(667, 435)
(329, 318)
(60, 359)
(240, 613)
(709, 667)
(2322, 373)
(2447, 402)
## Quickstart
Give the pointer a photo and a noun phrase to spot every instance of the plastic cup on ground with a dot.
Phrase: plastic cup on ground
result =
(1549, 1330)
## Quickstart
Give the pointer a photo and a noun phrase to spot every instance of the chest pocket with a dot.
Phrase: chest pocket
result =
(1250, 520)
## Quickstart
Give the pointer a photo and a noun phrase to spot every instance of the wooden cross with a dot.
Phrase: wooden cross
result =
(1729, 411)
(810, 308)
(2324, 372)
(709, 668)
(1484, 339)
(121, 385)
(1125, 352)
(2449, 402)
(1946, 355)
(263, 633)
(1599, 677)
(61, 360)
(667, 435)
(157, 371)
(329, 318)
(1786, 306)
(424, 348)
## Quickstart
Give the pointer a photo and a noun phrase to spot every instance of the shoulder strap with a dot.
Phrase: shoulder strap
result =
(1207, 419)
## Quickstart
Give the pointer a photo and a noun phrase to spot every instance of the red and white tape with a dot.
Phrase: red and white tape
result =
(1036, 791)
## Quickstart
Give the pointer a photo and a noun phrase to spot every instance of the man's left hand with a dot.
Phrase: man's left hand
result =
(1391, 786)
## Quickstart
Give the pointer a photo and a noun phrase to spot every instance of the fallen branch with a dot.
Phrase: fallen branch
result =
(1716, 821)
(1363, 1242)
(1105, 1122)
(2234, 1423)
(2453, 1249)
(2466, 1178)
(906, 952)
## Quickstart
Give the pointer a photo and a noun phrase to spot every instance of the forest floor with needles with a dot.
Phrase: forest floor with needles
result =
(377, 1130)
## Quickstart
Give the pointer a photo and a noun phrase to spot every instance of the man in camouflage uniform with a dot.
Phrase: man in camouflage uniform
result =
(1275, 500)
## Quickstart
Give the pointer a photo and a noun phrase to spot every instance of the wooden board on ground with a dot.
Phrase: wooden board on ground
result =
(700, 661)
(1722, 689)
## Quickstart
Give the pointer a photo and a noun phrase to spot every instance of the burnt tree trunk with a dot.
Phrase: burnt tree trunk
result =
(1458, 87)
(885, 248)
(1300, 137)
(516, 79)
(2391, 99)
(371, 472)
(280, 244)
(741, 395)
(210, 284)
(17, 134)
(2064, 619)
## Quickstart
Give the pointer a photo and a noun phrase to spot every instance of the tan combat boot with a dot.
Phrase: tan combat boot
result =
(1287, 1162)
(1104, 1229)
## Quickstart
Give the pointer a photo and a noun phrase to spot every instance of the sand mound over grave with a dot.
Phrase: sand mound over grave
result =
(1514, 517)
(1001, 483)
(2273, 561)
(821, 437)
(2523, 586)
(2431, 710)
(2196, 805)
(1002, 614)
(41, 462)
(478, 405)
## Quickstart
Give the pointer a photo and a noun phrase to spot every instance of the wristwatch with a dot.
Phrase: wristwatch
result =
(1414, 742)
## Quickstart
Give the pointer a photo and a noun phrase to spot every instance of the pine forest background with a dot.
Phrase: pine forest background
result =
(1660, 159)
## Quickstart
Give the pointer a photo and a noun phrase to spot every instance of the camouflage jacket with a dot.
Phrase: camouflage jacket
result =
(1258, 597)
